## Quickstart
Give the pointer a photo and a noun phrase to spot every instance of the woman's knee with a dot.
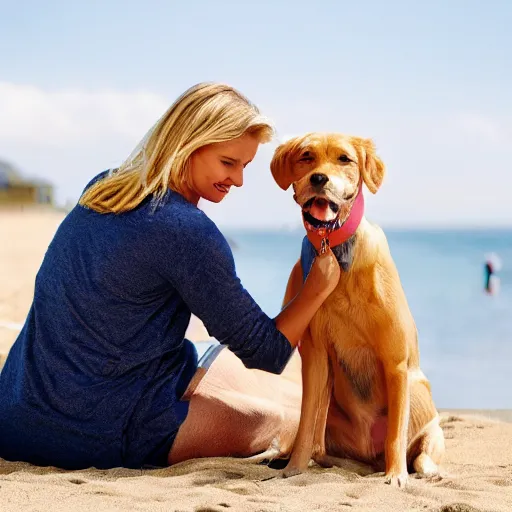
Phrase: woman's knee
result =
(240, 426)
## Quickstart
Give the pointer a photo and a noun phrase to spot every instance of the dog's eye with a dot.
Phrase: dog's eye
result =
(306, 157)
(344, 158)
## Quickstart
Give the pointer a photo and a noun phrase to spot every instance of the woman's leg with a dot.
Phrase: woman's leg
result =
(239, 412)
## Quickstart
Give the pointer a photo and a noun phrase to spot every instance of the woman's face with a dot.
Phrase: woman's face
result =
(215, 168)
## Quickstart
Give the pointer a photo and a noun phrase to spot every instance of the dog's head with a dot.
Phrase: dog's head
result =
(326, 171)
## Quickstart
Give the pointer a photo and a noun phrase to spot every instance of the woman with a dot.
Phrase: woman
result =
(101, 374)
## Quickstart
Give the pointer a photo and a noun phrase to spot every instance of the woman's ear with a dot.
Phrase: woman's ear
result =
(371, 166)
(280, 166)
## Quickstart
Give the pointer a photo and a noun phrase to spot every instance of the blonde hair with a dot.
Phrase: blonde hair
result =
(206, 113)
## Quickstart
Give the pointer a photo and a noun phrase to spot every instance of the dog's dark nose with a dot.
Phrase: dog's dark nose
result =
(318, 179)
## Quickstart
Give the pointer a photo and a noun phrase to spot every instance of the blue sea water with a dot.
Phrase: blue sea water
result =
(465, 335)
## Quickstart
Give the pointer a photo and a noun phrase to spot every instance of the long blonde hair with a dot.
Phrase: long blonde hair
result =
(204, 114)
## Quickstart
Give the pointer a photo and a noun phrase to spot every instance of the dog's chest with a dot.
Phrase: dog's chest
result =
(357, 367)
(345, 329)
(351, 313)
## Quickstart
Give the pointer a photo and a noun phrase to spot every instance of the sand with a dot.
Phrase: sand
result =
(476, 474)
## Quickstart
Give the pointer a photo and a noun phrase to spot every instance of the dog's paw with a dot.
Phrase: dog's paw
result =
(397, 479)
(425, 467)
(289, 471)
(323, 461)
(429, 473)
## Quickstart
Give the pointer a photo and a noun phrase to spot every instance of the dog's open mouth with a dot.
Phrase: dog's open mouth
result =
(319, 211)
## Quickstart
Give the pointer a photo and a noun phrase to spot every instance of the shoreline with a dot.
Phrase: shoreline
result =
(503, 415)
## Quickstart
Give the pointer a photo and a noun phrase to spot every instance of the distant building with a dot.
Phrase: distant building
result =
(15, 190)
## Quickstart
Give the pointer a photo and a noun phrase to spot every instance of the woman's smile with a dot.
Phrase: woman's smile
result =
(222, 188)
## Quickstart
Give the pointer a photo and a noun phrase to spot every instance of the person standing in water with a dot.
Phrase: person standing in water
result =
(491, 281)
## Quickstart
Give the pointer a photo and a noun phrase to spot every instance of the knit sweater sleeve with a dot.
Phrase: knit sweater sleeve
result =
(199, 264)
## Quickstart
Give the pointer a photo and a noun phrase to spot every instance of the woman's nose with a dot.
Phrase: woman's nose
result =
(238, 177)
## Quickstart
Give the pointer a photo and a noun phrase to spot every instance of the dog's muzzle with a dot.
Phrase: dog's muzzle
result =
(334, 231)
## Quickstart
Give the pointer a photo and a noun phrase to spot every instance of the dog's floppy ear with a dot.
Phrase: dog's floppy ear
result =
(371, 166)
(280, 166)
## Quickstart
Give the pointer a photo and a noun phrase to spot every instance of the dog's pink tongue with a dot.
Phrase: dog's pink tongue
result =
(321, 211)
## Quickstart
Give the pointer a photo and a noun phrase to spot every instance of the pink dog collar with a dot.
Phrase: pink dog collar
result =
(341, 234)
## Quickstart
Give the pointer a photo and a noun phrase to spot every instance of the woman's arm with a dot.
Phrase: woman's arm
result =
(293, 320)
(196, 259)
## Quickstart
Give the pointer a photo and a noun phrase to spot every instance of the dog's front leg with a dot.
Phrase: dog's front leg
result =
(315, 372)
(398, 422)
(319, 451)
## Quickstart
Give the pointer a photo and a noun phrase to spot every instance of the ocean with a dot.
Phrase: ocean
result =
(465, 335)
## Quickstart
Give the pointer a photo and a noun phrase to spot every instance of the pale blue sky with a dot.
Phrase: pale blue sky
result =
(430, 82)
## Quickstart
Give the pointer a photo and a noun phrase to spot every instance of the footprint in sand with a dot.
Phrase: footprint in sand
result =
(451, 484)
(220, 508)
(104, 492)
(502, 482)
(458, 507)
(77, 481)
(242, 488)
(214, 476)
(353, 494)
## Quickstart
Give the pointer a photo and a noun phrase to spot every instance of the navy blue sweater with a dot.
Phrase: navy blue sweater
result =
(96, 375)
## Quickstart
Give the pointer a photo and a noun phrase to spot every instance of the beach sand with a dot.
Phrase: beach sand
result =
(476, 473)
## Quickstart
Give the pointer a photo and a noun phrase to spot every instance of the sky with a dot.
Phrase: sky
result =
(429, 82)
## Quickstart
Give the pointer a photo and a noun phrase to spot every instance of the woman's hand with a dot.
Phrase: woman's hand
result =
(321, 281)
(324, 274)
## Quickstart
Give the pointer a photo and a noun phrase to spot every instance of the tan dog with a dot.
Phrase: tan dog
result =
(364, 394)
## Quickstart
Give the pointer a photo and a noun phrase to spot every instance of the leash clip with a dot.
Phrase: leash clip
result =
(324, 244)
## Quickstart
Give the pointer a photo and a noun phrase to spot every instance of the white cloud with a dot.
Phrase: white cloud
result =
(490, 131)
(68, 136)
(60, 118)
